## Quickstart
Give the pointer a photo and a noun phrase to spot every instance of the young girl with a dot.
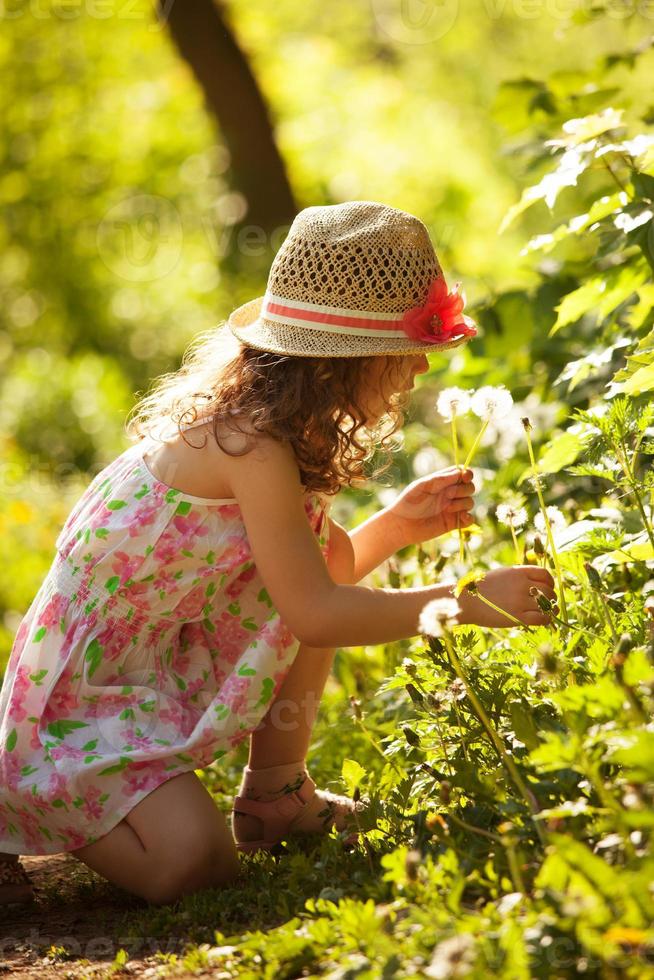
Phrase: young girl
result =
(199, 588)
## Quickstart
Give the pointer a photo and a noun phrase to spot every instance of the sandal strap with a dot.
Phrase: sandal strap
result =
(277, 815)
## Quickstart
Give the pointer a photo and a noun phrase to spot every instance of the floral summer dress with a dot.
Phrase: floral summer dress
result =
(151, 649)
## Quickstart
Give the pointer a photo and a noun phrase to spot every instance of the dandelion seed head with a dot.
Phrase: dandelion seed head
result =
(452, 958)
(457, 689)
(437, 615)
(555, 517)
(452, 402)
(512, 516)
(490, 403)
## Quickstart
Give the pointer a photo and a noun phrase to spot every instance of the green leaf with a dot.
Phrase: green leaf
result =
(246, 671)
(640, 381)
(562, 451)
(183, 508)
(112, 584)
(352, 774)
(523, 725)
(638, 550)
(40, 634)
(604, 293)
(12, 738)
(116, 504)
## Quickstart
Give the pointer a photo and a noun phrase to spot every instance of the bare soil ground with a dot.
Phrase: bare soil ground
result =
(76, 925)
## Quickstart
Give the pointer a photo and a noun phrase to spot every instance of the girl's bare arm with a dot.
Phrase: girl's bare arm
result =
(318, 612)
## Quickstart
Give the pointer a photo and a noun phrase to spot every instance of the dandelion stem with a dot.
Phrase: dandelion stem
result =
(478, 438)
(455, 441)
(464, 825)
(548, 527)
(633, 485)
(455, 447)
(609, 618)
(494, 738)
(498, 608)
(377, 749)
(515, 542)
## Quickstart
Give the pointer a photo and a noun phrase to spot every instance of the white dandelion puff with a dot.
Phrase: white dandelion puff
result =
(437, 615)
(491, 404)
(515, 517)
(554, 516)
(452, 402)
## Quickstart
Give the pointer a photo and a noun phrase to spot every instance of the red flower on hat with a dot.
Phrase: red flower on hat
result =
(440, 318)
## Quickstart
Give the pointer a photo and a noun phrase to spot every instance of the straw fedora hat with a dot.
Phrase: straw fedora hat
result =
(351, 280)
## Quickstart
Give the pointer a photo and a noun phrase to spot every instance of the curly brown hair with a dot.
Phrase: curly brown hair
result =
(315, 403)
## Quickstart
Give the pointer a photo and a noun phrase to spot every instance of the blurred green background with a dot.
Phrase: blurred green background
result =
(126, 227)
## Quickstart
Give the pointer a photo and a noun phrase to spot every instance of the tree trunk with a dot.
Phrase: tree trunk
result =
(204, 39)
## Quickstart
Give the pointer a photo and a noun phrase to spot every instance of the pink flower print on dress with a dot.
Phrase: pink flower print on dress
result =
(144, 515)
(235, 588)
(74, 837)
(91, 805)
(110, 705)
(166, 549)
(113, 640)
(18, 645)
(236, 552)
(235, 693)
(40, 803)
(35, 739)
(65, 751)
(30, 827)
(143, 776)
(229, 512)
(10, 767)
(19, 691)
(100, 516)
(136, 741)
(172, 715)
(165, 582)
(231, 639)
(61, 698)
(83, 593)
(125, 565)
(191, 526)
(58, 788)
(54, 611)
(277, 635)
(192, 604)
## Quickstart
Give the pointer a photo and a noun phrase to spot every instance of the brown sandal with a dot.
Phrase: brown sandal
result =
(15, 885)
(277, 817)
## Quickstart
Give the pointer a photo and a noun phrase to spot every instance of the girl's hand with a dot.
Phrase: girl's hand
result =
(429, 506)
(509, 588)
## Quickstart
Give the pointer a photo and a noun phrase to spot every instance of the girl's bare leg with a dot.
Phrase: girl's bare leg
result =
(173, 842)
(284, 733)
(279, 744)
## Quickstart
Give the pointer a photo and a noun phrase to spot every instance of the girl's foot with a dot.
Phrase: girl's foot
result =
(283, 801)
(15, 886)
